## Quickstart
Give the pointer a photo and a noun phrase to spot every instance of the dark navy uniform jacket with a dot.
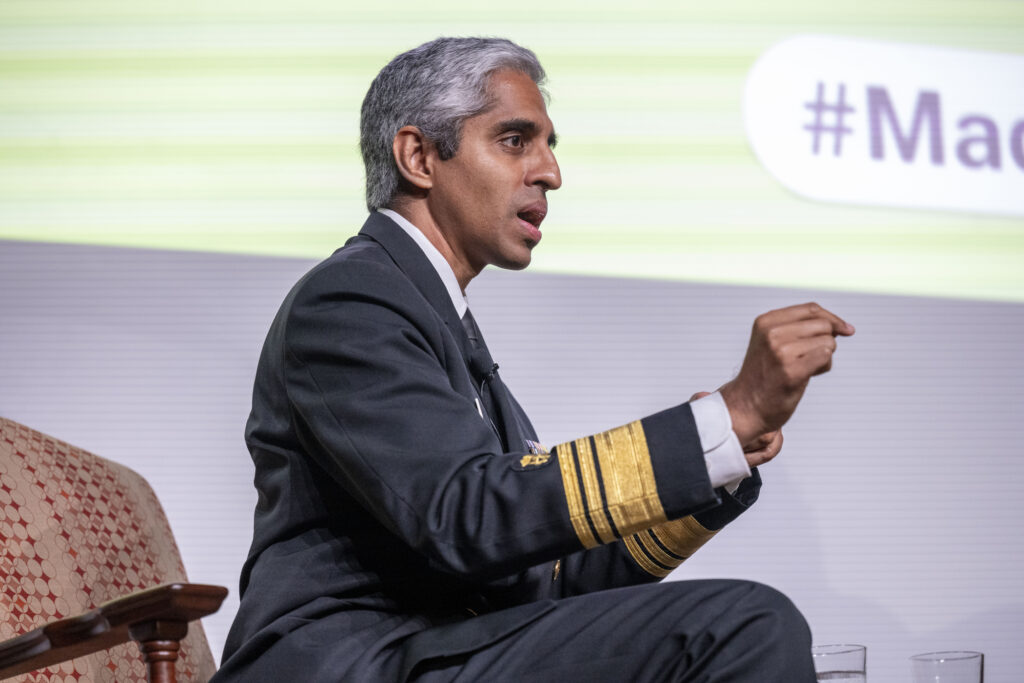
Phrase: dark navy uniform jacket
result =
(388, 505)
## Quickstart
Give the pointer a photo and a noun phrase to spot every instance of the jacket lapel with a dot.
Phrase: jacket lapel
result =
(413, 262)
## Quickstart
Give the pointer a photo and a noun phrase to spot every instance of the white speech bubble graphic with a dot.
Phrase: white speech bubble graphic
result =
(865, 122)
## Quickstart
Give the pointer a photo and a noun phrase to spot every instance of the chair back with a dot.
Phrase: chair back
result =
(77, 530)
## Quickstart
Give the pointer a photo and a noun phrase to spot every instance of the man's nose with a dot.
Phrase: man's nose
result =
(545, 171)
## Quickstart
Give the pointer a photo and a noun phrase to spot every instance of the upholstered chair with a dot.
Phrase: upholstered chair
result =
(87, 564)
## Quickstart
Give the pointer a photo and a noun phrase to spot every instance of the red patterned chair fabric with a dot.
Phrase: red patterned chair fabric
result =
(76, 531)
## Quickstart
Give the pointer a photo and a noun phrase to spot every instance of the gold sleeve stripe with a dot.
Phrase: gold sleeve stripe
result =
(592, 490)
(609, 485)
(574, 499)
(658, 553)
(629, 478)
(652, 538)
(660, 550)
(642, 559)
(682, 537)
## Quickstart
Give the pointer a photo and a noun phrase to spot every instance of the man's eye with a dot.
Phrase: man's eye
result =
(513, 141)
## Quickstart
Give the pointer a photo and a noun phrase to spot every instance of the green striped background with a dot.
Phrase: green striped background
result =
(232, 126)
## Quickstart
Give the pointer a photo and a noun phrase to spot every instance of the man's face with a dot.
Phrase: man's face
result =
(488, 200)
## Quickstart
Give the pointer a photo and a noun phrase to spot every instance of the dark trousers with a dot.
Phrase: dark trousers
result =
(692, 631)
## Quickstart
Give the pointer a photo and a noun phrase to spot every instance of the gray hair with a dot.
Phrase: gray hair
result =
(434, 87)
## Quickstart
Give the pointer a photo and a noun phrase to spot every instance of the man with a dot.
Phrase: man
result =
(409, 524)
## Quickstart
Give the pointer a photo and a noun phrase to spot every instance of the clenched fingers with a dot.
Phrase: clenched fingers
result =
(801, 312)
(765, 452)
(811, 356)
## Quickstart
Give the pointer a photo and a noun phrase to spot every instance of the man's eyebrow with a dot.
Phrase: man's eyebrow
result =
(525, 126)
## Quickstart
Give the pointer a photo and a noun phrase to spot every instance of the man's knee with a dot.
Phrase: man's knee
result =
(738, 631)
(751, 612)
(789, 622)
(778, 633)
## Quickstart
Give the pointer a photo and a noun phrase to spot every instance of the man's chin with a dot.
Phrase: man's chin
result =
(518, 263)
(518, 260)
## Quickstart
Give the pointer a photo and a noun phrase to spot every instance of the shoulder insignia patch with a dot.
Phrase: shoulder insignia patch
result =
(534, 459)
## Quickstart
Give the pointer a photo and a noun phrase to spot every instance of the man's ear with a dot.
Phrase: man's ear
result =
(415, 156)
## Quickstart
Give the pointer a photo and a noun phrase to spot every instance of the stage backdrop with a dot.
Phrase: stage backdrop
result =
(168, 171)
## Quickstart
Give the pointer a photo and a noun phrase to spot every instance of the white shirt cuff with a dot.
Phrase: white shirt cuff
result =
(723, 454)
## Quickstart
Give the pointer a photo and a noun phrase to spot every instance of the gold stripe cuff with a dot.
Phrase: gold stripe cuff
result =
(677, 540)
(657, 552)
(618, 494)
(683, 537)
(633, 545)
(592, 489)
(573, 499)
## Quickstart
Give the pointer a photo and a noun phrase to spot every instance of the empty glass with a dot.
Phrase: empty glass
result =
(846, 663)
(948, 667)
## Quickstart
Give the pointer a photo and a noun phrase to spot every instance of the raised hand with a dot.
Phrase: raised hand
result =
(787, 347)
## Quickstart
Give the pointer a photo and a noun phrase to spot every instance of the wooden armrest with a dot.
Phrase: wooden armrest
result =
(160, 613)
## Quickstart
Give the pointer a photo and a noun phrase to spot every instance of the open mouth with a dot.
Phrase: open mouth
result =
(533, 215)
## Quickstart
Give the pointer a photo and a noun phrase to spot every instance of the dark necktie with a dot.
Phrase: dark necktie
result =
(472, 331)
(496, 401)
(483, 370)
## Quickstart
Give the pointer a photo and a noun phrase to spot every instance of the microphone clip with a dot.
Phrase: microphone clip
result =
(489, 375)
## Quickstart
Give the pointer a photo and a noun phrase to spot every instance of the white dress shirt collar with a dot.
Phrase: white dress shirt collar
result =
(443, 268)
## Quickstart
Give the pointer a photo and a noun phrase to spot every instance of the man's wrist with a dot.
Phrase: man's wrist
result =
(746, 422)
(723, 455)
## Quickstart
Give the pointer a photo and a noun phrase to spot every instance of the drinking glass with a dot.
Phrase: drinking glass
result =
(846, 663)
(948, 667)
